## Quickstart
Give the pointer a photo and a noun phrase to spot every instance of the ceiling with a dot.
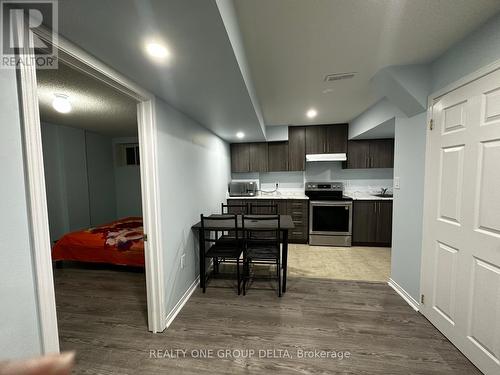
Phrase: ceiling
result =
(202, 78)
(292, 44)
(95, 105)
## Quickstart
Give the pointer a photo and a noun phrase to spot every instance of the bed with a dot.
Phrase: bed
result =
(120, 242)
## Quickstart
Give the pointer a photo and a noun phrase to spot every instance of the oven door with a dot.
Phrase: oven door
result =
(330, 218)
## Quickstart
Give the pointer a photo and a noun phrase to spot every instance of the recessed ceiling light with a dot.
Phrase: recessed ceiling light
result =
(327, 91)
(311, 113)
(240, 135)
(157, 51)
(61, 103)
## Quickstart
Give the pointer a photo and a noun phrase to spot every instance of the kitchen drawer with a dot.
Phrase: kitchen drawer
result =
(297, 203)
(298, 235)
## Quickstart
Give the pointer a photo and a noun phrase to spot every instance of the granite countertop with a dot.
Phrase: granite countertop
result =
(365, 195)
(276, 195)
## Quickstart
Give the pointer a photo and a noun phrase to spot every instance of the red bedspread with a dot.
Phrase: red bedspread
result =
(120, 242)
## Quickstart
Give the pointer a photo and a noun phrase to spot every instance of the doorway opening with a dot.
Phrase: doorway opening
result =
(78, 59)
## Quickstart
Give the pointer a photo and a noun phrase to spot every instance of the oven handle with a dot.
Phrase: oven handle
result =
(331, 203)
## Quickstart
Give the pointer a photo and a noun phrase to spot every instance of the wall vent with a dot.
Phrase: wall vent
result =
(339, 76)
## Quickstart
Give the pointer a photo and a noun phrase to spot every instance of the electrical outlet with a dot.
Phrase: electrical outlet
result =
(397, 184)
(183, 261)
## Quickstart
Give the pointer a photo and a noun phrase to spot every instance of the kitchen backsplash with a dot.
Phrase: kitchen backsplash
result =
(354, 179)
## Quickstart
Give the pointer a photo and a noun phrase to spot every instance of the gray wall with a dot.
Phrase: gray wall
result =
(100, 169)
(128, 184)
(79, 178)
(375, 115)
(478, 49)
(409, 165)
(194, 167)
(19, 328)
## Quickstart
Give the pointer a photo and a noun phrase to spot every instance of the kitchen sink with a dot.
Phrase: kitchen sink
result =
(383, 195)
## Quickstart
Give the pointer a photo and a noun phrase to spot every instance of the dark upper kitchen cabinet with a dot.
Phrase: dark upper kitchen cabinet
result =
(372, 222)
(277, 156)
(258, 157)
(240, 157)
(296, 148)
(382, 153)
(370, 153)
(315, 139)
(336, 139)
(358, 154)
(326, 139)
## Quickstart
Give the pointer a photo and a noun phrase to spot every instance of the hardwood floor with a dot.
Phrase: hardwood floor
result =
(102, 315)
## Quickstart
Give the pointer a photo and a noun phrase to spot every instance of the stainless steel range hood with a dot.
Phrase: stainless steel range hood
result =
(326, 157)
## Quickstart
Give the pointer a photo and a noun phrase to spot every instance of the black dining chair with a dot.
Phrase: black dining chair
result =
(221, 250)
(234, 208)
(262, 245)
(263, 209)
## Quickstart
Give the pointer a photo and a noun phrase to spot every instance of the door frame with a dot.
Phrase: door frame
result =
(36, 193)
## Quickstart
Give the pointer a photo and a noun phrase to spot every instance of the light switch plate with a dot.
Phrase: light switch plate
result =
(396, 183)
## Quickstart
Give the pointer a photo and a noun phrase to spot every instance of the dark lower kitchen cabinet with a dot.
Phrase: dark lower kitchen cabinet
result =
(277, 156)
(296, 148)
(240, 157)
(298, 209)
(372, 222)
(258, 157)
(384, 222)
(260, 206)
(370, 153)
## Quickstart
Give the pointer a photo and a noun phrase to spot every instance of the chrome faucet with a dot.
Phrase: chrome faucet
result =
(383, 191)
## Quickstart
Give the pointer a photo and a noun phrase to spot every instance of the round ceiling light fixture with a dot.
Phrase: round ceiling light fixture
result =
(240, 135)
(157, 51)
(311, 113)
(61, 103)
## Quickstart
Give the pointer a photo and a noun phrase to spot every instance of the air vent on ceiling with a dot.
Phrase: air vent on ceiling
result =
(339, 76)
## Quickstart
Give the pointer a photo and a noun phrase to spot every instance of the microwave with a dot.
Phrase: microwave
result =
(242, 189)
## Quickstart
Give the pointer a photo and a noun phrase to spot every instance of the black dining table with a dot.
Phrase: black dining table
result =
(286, 223)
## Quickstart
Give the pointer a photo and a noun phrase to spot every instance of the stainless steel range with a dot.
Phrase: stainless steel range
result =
(330, 214)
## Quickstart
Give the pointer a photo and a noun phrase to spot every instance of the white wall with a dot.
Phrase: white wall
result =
(194, 167)
(19, 324)
(365, 179)
(409, 165)
(128, 184)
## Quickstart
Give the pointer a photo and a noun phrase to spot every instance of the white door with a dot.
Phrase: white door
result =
(461, 243)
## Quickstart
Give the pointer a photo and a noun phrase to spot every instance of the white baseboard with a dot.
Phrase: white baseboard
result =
(178, 307)
(404, 294)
